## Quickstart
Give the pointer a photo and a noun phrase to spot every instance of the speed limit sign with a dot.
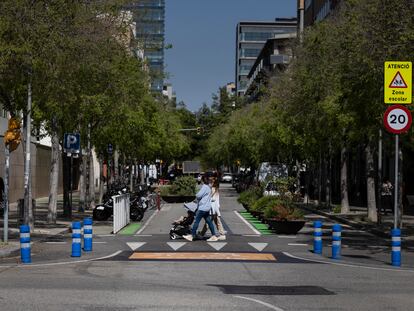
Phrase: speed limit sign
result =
(397, 119)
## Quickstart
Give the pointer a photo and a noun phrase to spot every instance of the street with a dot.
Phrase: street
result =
(143, 279)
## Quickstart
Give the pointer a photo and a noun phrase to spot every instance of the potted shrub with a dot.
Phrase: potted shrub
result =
(249, 196)
(284, 218)
(183, 189)
(260, 205)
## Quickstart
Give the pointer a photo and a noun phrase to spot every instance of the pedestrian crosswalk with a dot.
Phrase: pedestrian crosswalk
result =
(199, 247)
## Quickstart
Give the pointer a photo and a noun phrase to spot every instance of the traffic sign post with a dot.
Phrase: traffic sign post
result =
(397, 120)
(71, 146)
(398, 82)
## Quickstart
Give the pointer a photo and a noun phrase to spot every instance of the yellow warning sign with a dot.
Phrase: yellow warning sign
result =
(398, 83)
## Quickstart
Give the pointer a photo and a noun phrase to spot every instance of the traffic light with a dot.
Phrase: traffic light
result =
(12, 136)
(199, 130)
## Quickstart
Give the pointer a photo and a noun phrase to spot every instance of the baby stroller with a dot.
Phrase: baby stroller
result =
(182, 226)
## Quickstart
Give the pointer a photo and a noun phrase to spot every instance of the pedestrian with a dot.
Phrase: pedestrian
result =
(203, 198)
(386, 195)
(215, 211)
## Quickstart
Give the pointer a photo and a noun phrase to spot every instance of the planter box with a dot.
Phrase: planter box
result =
(257, 214)
(246, 207)
(286, 226)
(178, 198)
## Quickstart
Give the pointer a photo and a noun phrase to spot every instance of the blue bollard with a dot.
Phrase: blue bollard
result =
(87, 234)
(317, 237)
(396, 247)
(336, 241)
(25, 250)
(76, 239)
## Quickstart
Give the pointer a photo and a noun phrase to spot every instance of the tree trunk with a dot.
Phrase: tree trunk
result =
(82, 183)
(379, 178)
(28, 206)
(116, 165)
(371, 203)
(320, 178)
(54, 176)
(6, 195)
(131, 177)
(67, 208)
(101, 180)
(142, 174)
(328, 165)
(344, 182)
(91, 180)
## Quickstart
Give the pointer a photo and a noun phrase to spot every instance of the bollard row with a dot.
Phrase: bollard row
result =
(77, 237)
(337, 242)
(25, 248)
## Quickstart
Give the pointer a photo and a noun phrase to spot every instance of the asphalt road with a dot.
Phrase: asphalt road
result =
(309, 282)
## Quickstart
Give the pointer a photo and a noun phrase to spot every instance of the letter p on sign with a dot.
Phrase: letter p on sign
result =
(71, 143)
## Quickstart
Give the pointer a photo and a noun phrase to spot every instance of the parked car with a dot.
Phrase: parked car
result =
(227, 177)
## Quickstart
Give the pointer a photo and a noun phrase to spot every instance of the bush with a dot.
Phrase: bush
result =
(283, 210)
(250, 196)
(182, 186)
(261, 204)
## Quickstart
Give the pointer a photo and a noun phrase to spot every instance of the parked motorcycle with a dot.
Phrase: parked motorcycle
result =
(105, 210)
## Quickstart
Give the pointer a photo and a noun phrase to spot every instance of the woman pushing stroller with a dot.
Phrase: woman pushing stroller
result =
(215, 211)
(204, 206)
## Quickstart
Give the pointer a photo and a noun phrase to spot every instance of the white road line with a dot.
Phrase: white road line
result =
(252, 235)
(261, 302)
(55, 242)
(68, 262)
(247, 223)
(144, 235)
(146, 224)
(99, 242)
(287, 236)
(106, 235)
(347, 265)
(297, 244)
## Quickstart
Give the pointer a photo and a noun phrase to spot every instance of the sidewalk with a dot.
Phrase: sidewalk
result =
(42, 230)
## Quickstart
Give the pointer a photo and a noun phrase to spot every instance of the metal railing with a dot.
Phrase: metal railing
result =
(121, 211)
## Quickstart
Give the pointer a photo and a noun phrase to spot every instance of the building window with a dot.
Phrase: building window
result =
(256, 36)
(250, 52)
(324, 11)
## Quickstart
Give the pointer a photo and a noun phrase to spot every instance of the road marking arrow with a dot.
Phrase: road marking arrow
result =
(258, 246)
(176, 245)
(135, 245)
(217, 245)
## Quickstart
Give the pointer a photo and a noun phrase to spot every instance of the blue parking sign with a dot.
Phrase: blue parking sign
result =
(71, 143)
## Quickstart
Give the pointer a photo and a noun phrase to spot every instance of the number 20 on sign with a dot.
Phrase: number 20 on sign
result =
(397, 119)
(398, 83)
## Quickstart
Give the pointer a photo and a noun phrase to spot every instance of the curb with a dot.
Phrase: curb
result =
(351, 223)
(9, 251)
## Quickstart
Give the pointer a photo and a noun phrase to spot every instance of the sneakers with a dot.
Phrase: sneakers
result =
(188, 237)
(213, 239)
(222, 237)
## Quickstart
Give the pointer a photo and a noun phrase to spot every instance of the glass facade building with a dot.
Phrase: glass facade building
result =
(318, 10)
(149, 16)
(250, 39)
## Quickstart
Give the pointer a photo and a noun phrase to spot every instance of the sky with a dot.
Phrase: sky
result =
(203, 35)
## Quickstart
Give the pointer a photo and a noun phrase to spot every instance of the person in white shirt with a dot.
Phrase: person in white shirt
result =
(215, 211)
